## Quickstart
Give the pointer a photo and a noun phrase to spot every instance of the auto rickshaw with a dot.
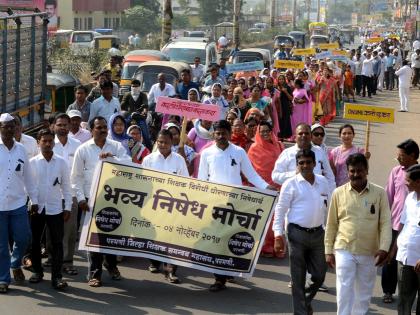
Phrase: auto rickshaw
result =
(318, 39)
(60, 92)
(148, 72)
(132, 60)
(299, 38)
(286, 40)
(346, 36)
(253, 54)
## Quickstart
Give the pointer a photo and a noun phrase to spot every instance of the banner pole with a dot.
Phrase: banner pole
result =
(183, 131)
(367, 136)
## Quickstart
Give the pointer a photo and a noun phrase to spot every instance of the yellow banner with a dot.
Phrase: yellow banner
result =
(104, 43)
(394, 36)
(303, 52)
(328, 46)
(184, 221)
(369, 113)
(373, 40)
(289, 64)
(339, 53)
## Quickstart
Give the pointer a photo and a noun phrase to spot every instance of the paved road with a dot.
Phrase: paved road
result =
(266, 293)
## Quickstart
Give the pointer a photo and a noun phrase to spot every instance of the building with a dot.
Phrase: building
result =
(88, 15)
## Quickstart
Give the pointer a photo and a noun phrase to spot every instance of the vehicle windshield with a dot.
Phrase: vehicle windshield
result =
(150, 78)
(82, 38)
(128, 70)
(186, 54)
(246, 58)
(284, 40)
(317, 41)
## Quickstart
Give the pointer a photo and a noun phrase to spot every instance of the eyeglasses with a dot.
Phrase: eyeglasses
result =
(318, 134)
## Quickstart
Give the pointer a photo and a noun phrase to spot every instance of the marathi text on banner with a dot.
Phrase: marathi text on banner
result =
(304, 52)
(289, 64)
(173, 106)
(328, 45)
(373, 40)
(184, 221)
(323, 55)
(245, 66)
(368, 113)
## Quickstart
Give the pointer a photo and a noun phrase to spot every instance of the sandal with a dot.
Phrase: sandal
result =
(217, 286)
(36, 278)
(115, 274)
(4, 288)
(387, 298)
(95, 283)
(70, 270)
(59, 284)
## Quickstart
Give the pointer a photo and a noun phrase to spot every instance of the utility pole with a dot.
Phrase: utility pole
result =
(167, 22)
(308, 8)
(236, 14)
(272, 13)
(318, 11)
(294, 12)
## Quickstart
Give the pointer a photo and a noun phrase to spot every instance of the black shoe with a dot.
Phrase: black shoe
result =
(217, 286)
(36, 277)
(59, 284)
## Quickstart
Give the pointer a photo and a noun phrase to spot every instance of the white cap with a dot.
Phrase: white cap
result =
(6, 117)
(74, 113)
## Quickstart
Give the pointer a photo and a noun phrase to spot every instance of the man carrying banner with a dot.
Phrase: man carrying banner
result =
(304, 198)
(170, 162)
(85, 160)
(223, 163)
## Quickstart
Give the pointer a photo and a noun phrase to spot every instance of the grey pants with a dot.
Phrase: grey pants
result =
(408, 288)
(307, 254)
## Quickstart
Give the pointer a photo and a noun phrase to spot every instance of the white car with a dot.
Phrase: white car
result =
(81, 42)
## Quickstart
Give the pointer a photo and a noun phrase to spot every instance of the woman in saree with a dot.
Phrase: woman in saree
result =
(274, 95)
(266, 145)
(327, 86)
(257, 101)
(302, 105)
(285, 112)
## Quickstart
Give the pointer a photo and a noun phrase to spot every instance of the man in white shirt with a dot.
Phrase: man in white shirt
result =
(223, 41)
(28, 142)
(285, 166)
(197, 70)
(170, 162)
(85, 160)
(76, 131)
(367, 75)
(159, 89)
(404, 79)
(382, 73)
(358, 63)
(415, 64)
(223, 163)
(66, 146)
(416, 44)
(53, 180)
(106, 105)
(17, 182)
(304, 199)
(408, 243)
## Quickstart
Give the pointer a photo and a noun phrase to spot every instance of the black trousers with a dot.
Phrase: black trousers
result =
(367, 85)
(374, 84)
(390, 272)
(55, 224)
(307, 254)
(389, 78)
(358, 84)
(416, 77)
(95, 264)
(408, 288)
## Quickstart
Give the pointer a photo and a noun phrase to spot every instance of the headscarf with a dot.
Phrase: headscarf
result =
(323, 145)
(270, 151)
(202, 132)
(219, 100)
(123, 138)
(262, 72)
(242, 99)
(139, 150)
(254, 110)
(196, 91)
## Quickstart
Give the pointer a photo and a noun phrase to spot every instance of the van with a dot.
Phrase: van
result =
(185, 49)
(81, 42)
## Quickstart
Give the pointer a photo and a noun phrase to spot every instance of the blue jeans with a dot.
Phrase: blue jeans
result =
(16, 223)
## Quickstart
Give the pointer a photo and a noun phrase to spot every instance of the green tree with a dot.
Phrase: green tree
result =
(152, 5)
(180, 21)
(141, 20)
(215, 11)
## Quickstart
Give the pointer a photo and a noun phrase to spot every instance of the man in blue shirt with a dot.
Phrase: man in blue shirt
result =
(389, 72)
(183, 87)
(376, 65)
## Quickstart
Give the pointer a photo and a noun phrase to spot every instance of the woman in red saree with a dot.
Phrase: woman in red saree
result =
(327, 90)
(263, 154)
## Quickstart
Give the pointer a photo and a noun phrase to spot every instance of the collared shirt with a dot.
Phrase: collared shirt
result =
(53, 181)
(173, 163)
(104, 108)
(367, 68)
(85, 160)
(96, 92)
(16, 177)
(358, 222)
(416, 44)
(305, 204)
(183, 89)
(82, 135)
(376, 66)
(225, 166)
(397, 191)
(390, 61)
(415, 60)
(197, 72)
(209, 81)
(285, 166)
(409, 239)
(84, 109)
(358, 67)
(155, 92)
(30, 144)
(404, 76)
(66, 151)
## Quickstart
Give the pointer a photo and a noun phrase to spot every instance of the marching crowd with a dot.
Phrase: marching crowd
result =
(328, 212)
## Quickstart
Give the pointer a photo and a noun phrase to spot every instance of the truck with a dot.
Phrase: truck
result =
(23, 66)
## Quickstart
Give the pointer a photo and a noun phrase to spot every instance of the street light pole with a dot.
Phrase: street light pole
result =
(167, 22)
(272, 13)
(236, 13)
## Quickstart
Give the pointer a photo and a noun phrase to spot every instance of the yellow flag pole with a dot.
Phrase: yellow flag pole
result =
(367, 139)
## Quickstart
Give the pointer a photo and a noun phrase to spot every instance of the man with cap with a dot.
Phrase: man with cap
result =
(134, 100)
(81, 103)
(76, 131)
(18, 182)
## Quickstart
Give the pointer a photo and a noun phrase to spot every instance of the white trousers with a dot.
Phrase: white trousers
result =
(356, 275)
(381, 80)
(404, 94)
